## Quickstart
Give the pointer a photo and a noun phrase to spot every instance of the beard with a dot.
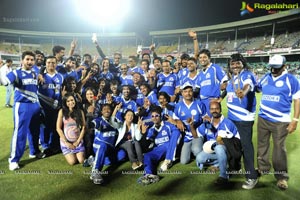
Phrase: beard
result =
(216, 115)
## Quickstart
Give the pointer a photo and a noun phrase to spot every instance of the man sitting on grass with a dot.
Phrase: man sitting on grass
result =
(159, 136)
(218, 130)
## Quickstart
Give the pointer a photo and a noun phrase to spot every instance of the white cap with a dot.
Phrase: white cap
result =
(185, 85)
(209, 146)
(277, 61)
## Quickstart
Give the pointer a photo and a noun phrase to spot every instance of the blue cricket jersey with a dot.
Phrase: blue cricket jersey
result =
(104, 131)
(277, 96)
(241, 109)
(210, 81)
(167, 83)
(183, 111)
(225, 129)
(25, 84)
(52, 86)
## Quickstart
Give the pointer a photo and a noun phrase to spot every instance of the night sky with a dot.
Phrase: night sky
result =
(145, 15)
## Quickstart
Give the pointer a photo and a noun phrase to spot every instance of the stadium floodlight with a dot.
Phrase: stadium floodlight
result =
(103, 13)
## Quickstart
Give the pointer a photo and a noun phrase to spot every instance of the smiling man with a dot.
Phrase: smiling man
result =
(279, 89)
(241, 105)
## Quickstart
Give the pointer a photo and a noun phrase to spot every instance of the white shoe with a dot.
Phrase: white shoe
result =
(250, 184)
(165, 165)
(32, 156)
(13, 166)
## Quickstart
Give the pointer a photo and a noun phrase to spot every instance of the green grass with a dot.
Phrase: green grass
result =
(53, 178)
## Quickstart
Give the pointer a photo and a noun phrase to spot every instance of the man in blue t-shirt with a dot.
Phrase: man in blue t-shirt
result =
(241, 105)
(26, 109)
(184, 110)
(279, 89)
(216, 131)
(212, 79)
(161, 143)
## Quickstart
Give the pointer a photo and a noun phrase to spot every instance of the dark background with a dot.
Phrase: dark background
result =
(145, 15)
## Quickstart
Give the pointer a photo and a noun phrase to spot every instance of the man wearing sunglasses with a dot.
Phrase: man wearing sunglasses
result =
(160, 140)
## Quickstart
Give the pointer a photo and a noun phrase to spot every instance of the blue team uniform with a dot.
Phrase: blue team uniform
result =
(104, 143)
(26, 112)
(167, 83)
(126, 105)
(241, 109)
(209, 83)
(136, 69)
(107, 76)
(126, 80)
(50, 99)
(225, 129)
(164, 146)
(67, 74)
(277, 97)
(183, 111)
(193, 81)
(182, 73)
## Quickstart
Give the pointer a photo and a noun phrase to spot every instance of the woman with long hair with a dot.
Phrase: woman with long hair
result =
(70, 126)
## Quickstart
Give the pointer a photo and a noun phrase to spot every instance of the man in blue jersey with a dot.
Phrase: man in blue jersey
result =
(39, 61)
(126, 101)
(212, 79)
(148, 93)
(192, 76)
(59, 52)
(50, 98)
(241, 105)
(104, 142)
(114, 65)
(69, 69)
(185, 109)
(279, 89)
(159, 137)
(132, 63)
(216, 131)
(166, 81)
(26, 108)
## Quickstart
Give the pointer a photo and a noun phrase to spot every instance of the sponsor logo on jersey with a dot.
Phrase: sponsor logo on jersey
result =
(193, 112)
(206, 82)
(29, 81)
(279, 83)
(273, 98)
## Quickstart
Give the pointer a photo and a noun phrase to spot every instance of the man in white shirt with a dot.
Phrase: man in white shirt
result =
(4, 70)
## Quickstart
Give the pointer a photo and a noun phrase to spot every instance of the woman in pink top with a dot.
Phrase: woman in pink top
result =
(70, 126)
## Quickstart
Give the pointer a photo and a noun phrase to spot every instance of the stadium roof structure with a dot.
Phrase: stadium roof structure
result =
(258, 22)
(281, 17)
(24, 33)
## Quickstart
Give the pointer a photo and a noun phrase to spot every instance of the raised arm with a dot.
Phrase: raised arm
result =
(73, 47)
(193, 35)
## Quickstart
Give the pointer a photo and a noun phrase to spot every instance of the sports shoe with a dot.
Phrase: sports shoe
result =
(221, 181)
(249, 184)
(8, 106)
(148, 179)
(134, 165)
(32, 156)
(96, 177)
(140, 164)
(282, 184)
(165, 165)
(41, 155)
(13, 166)
(88, 162)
